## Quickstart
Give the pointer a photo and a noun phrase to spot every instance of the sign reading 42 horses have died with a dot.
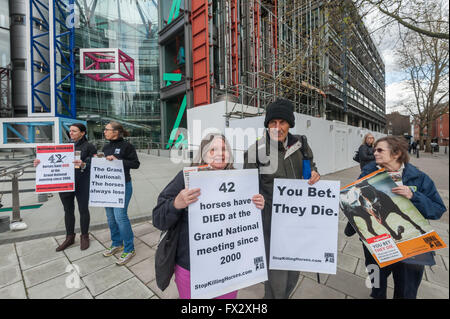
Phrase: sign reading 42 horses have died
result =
(225, 233)
(55, 173)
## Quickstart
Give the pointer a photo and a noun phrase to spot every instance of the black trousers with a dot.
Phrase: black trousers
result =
(407, 278)
(82, 195)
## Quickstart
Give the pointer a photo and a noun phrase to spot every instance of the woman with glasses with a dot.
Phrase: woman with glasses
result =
(121, 232)
(77, 132)
(173, 202)
(391, 153)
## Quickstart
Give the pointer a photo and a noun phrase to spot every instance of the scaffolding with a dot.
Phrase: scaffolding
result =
(5, 92)
(264, 49)
(269, 49)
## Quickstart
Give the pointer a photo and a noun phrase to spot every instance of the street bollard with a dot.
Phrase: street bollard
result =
(417, 153)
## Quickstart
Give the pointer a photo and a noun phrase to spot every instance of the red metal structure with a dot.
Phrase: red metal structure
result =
(100, 59)
(201, 83)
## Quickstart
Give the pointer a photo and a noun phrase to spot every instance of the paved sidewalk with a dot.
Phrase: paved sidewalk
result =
(32, 269)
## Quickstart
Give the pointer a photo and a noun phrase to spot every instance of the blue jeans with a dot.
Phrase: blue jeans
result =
(119, 224)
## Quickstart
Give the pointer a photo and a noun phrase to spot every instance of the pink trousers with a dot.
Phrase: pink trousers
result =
(183, 281)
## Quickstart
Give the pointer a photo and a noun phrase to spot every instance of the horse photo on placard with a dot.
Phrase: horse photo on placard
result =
(378, 215)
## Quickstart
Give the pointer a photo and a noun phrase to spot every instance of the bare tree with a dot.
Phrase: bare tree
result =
(411, 14)
(426, 61)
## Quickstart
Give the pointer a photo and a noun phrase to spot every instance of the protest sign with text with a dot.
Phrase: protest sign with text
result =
(390, 226)
(107, 183)
(304, 226)
(225, 233)
(55, 172)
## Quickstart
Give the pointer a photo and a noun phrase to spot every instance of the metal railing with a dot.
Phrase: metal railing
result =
(15, 171)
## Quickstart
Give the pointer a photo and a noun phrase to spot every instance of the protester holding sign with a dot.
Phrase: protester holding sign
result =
(279, 154)
(391, 153)
(77, 132)
(173, 202)
(121, 233)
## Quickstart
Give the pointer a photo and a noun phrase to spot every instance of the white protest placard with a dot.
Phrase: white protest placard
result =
(55, 172)
(107, 188)
(225, 233)
(304, 226)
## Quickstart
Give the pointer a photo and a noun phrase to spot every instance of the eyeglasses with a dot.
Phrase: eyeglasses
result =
(379, 150)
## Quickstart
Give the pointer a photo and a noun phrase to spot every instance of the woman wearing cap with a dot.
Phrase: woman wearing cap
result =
(119, 224)
(77, 132)
(173, 202)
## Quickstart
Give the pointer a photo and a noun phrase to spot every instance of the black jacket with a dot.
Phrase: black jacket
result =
(87, 152)
(124, 151)
(165, 215)
(365, 155)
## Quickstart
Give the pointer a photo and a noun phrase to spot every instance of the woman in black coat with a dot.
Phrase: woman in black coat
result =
(366, 150)
(77, 132)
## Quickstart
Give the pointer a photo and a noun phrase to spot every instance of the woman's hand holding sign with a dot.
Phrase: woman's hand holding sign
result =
(186, 197)
(258, 200)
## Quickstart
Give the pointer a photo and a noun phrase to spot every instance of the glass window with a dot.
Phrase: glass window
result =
(5, 55)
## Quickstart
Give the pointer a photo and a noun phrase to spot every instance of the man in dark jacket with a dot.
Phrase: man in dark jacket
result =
(278, 154)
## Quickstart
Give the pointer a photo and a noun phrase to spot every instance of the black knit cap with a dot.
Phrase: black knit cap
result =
(280, 109)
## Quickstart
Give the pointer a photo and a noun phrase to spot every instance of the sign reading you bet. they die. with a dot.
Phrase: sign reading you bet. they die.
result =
(304, 226)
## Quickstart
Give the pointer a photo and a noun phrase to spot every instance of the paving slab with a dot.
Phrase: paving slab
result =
(106, 278)
(171, 292)
(56, 288)
(349, 284)
(9, 275)
(9, 256)
(312, 275)
(14, 291)
(445, 259)
(93, 263)
(44, 272)
(252, 292)
(354, 249)
(429, 290)
(347, 262)
(144, 270)
(102, 236)
(310, 289)
(142, 229)
(39, 256)
(74, 252)
(81, 294)
(142, 252)
(130, 289)
(152, 238)
(29, 247)
(437, 275)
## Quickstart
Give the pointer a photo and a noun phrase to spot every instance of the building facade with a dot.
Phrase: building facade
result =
(132, 27)
(252, 52)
